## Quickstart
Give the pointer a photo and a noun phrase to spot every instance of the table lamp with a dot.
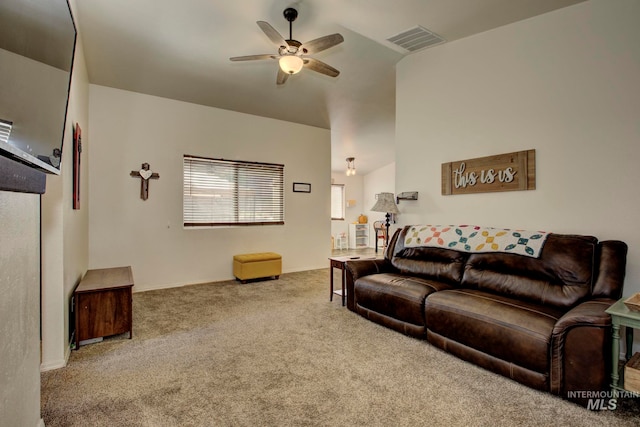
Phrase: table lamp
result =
(387, 204)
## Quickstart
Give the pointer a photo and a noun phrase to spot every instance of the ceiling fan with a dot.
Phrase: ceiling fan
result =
(292, 55)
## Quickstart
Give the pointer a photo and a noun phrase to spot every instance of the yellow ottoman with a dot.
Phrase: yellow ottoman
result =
(258, 265)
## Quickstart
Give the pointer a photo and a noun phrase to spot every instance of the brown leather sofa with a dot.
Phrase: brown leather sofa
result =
(540, 321)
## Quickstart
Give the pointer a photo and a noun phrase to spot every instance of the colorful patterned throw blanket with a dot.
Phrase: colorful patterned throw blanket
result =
(474, 239)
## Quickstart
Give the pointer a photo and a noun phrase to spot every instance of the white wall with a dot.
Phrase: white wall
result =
(65, 231)
(565, 84)
(128, 129)
(19, 309)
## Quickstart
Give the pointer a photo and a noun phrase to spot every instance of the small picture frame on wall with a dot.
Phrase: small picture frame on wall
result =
(301, 187)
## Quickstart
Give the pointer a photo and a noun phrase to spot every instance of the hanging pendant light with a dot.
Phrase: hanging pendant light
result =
(351, 166)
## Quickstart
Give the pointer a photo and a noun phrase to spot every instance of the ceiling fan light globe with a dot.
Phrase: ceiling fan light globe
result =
(291, 64)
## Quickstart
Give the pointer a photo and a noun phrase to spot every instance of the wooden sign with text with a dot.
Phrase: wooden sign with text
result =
(504, 172)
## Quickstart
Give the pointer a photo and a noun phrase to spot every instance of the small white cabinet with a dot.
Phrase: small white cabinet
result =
(358, 236)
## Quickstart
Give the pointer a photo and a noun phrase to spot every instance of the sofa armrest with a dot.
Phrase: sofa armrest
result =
(589, 313)
(611, 270)
(581, 349)
(359, 268)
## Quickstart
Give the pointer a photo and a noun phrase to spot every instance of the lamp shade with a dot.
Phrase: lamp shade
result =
(291, 64)
(385, 203)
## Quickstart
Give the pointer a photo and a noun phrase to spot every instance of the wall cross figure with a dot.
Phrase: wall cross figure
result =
(145, 174)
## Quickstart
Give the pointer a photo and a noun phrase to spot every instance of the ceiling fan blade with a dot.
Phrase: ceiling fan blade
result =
(320, 67)
(282, 77)
(322, 43)
(253, 57)
(272, 33)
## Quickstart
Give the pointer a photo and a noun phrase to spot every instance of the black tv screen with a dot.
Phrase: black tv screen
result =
(37, 45)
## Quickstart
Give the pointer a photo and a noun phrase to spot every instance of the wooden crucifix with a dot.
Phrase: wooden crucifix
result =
(145, 174)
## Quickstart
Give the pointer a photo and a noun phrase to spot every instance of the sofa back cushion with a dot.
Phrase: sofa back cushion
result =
(562, 275)
(443, 265)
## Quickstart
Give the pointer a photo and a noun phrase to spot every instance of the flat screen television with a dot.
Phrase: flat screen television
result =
(37, 46)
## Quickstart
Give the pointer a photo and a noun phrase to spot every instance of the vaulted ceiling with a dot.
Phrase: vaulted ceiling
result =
(181, 50)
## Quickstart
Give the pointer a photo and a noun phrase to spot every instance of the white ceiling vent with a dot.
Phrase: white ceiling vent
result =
(416, 38)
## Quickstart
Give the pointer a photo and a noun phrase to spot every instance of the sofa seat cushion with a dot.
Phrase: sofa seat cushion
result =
(502, 327)
(396, 296)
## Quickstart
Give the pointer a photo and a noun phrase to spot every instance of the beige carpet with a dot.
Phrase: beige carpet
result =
(278, 353)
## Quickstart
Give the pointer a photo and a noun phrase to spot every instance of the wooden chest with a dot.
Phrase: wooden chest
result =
(103, 304)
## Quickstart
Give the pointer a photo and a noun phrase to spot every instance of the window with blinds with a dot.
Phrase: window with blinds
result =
(337, 201)
(219, 192)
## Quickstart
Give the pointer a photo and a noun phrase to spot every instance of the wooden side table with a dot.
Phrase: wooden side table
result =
(103, 304)
(339, 263)
(621, 316)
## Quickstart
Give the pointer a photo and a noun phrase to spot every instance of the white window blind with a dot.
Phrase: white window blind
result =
(337, 201)
(219, 192)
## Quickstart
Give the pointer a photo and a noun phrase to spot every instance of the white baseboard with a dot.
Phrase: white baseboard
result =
(137, 289)
(56, 364)
(41, 423)
(168, 286)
